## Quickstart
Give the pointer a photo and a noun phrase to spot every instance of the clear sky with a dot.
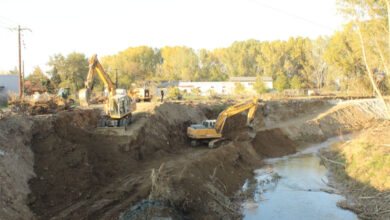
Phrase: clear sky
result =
(106, 27)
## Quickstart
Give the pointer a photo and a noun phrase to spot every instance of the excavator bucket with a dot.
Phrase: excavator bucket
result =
(84, 95)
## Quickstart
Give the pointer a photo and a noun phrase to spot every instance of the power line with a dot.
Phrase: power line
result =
(5, 25)
(9, 20)
(292, 15)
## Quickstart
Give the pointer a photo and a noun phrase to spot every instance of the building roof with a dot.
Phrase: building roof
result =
(249, 78)
(243, 79)
(168, 84)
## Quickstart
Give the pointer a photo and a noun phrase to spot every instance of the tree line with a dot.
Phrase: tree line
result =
(331, 62)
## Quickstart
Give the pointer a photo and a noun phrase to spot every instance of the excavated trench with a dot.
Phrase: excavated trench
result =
(65, 168)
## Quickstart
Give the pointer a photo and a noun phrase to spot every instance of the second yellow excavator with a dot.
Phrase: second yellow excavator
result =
(118, 106)
(210, 131)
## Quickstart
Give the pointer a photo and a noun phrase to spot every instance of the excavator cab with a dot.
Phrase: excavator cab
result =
(119, 106)
(209, 123)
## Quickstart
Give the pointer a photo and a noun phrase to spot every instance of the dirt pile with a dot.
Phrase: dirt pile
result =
(39, 107)
(273, 143)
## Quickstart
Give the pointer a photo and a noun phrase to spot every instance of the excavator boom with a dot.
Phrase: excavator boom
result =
(235, 109)
(95, 67)
(118, 105)
(211, 130)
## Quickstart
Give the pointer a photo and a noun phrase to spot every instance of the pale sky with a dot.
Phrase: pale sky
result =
(107, 27)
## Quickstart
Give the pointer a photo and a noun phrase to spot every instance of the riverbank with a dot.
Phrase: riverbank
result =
(360, 169)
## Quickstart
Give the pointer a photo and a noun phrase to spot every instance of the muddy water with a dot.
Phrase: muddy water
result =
(293, 187)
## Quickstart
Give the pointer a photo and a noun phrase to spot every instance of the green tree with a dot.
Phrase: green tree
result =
(210, 67)
(180, 63)
(174, 93)
(37, 76)
(240, 58)
(196, 91)
(239, 89)
(39, 79)
(259, 86)
(135, 64)
(71, 71)
(296, 82)
(281, 83)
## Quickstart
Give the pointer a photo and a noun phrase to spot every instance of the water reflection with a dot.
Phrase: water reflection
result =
(293, 187)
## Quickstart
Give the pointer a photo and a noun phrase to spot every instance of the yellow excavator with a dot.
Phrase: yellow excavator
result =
(118, 106)
(210, 131)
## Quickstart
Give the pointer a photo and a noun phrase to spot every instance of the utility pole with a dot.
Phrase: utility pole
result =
(20, 68)
(19, 29)
(23, 79)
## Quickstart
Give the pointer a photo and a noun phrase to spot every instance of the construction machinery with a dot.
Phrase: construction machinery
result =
(118, 106)
(210, 131)
(141, 94)
(64, 93)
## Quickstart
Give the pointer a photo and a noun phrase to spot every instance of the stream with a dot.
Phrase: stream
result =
(293, 187)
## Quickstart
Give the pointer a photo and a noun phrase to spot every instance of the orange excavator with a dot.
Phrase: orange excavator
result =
(210, 131)
(118, 106)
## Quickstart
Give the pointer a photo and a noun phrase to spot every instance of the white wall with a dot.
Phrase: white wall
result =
(224, 88)
(10, 83)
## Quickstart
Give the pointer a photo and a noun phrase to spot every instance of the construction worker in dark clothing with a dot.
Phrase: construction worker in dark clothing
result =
(162, 95)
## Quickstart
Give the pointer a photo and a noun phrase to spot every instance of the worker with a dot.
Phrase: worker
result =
(162, 95)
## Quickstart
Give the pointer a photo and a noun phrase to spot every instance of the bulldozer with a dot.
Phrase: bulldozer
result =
(210, 131)
(118, 106)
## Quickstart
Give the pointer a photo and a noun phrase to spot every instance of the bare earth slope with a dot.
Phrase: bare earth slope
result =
(76, 171)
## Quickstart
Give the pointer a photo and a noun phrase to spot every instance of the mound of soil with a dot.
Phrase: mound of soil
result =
(273, 143)
(44, 106)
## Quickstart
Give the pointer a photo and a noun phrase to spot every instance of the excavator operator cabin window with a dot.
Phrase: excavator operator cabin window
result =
(114, 107)
(122, 106)
(128, 103)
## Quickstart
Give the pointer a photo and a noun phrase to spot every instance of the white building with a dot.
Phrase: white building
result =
(8, 84)
(249, 82)
(224, 88)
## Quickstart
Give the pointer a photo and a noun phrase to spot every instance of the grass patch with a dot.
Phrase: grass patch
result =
(362, 168)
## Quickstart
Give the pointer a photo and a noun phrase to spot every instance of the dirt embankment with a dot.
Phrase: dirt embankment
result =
(316, 120)
(16, 167)
(84, 173)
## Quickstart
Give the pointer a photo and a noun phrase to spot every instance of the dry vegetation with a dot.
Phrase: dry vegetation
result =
(362, 168)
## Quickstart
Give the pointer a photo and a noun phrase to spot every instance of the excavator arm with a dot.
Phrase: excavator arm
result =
(236, 109)
(95, 67)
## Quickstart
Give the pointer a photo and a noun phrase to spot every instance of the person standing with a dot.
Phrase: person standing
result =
(162, 95)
